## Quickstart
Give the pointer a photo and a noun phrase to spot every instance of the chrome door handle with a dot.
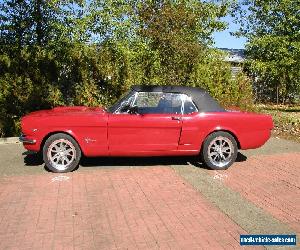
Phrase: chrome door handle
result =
(176, 118)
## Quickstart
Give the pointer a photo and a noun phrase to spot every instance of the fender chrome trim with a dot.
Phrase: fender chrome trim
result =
(24, 139)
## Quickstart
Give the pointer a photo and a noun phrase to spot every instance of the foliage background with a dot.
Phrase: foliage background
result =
(89, 52)
(273, 47)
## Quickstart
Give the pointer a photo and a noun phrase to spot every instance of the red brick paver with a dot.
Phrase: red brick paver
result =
(146, 208)
(270, 182)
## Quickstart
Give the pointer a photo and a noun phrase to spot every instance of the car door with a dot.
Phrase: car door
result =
(192, 127)
(156, 126)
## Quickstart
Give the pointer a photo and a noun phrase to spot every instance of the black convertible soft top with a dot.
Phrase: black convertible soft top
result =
(201, 98)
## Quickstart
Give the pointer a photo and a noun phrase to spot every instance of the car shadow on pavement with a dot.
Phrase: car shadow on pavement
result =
(240, 157)
(33, 159)
(133, 161)
(147, 161)
(36, 159)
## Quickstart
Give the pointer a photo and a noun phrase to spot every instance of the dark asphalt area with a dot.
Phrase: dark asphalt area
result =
(162, 196)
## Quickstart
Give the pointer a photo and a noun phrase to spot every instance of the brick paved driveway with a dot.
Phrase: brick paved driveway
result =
(176, 205)
(272, 183)
(111, 209)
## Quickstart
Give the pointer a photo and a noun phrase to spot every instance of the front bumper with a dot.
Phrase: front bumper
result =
(26, 140)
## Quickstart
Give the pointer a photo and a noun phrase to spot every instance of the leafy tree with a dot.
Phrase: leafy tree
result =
(26, 28)
(180, 32)
(28, 22)
(89, 52)
(273, 49)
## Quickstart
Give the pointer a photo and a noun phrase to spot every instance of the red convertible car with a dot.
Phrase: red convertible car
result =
(147, 121)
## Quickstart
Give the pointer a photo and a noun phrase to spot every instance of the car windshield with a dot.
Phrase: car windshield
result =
(115, 106)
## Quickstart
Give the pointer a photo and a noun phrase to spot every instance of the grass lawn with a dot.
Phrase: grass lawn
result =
(286, 120)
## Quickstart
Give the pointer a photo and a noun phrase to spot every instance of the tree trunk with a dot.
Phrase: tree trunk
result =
(38, 20)
(277, 94)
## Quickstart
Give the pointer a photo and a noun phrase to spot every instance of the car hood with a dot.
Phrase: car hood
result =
(72, 110)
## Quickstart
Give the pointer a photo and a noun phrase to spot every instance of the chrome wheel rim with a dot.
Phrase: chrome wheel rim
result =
(61, 153)
(220, 151)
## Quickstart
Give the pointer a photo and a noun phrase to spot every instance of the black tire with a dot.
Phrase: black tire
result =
(212, 153)
(64, 158)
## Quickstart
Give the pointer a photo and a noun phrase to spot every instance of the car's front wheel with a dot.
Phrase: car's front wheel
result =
(61, 153)
(219, 150)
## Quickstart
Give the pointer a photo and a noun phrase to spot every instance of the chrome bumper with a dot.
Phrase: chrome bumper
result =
(23, 139)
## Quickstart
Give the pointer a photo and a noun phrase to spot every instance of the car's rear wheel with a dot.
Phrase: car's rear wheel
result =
(61, 153)
(219, 150)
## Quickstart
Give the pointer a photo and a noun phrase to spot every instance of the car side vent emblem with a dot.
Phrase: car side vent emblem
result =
(89, 140)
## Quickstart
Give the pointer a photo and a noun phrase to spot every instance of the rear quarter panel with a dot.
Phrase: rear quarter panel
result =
(250, 129)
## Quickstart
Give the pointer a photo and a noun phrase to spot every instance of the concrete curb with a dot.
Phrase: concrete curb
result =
(9, 140)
